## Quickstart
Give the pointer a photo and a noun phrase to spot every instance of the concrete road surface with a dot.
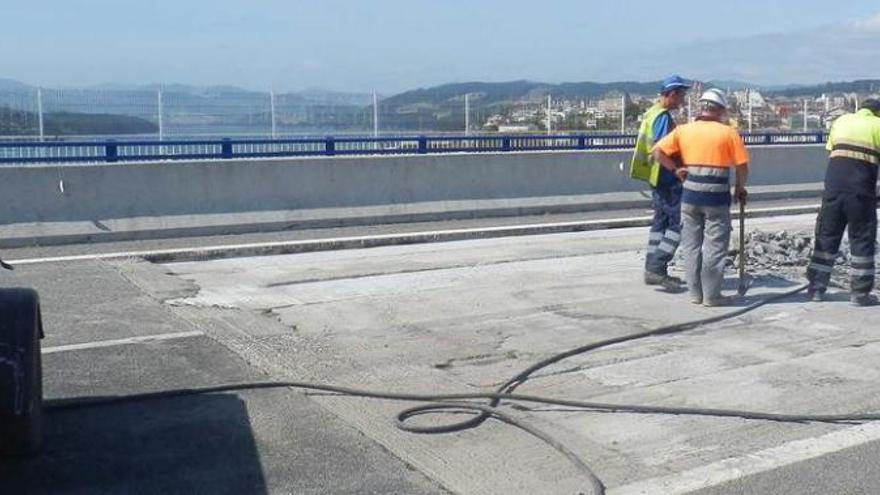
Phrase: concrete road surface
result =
(453, 317)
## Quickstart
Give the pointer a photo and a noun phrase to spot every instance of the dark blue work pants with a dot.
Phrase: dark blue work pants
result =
(665, 227)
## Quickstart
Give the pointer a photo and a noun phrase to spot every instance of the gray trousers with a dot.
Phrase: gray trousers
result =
(705, 236)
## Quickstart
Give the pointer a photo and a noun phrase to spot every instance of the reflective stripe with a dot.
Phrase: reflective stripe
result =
(863, 259)
(673, 235)
(652, 249)
(861, 272)
(709, 171)
(820, 268)
(825, 256)
(711, 188)
(655, 236)
(667, 247)
(855, 155)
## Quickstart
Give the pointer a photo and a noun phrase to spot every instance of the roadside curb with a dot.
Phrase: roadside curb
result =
(361, 242)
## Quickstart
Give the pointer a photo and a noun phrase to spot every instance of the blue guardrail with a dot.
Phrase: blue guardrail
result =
(111, 151)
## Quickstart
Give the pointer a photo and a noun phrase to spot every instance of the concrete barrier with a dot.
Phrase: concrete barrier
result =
(148, 197)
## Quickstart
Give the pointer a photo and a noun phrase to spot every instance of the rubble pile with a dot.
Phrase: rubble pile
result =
(781, 253)
(773, 251)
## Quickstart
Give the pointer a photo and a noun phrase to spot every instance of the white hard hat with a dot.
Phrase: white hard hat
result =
(716, 97)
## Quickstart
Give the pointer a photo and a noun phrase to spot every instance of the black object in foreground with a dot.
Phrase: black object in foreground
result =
(21, 383)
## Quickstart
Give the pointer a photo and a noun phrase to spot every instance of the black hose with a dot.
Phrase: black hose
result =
(464, 402)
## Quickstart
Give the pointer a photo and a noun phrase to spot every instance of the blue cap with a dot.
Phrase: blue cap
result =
(673, 82)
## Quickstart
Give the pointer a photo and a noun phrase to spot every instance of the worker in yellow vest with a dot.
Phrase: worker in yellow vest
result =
(849, 203)
(665, 233)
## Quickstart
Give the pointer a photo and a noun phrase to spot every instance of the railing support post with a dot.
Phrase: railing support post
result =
(423, 145)
(582, 142)
(505, 143)
(329, 146)
(226, 148)
(111, 153)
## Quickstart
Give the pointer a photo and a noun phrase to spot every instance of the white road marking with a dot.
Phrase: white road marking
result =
(118, 342)
(373, 240)
(754, 463)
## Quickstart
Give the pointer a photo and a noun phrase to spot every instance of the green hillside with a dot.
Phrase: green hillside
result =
(21, 123)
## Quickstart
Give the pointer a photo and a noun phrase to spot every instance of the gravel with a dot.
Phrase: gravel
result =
(782, 254)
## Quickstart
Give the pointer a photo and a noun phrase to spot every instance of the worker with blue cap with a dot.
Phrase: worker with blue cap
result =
(665, 233)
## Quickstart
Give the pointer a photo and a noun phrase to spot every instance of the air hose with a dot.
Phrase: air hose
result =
(438, 403)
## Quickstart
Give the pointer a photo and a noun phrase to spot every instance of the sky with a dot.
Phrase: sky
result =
(395, 45)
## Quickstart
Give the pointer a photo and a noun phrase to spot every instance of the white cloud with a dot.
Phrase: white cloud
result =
(870, 24)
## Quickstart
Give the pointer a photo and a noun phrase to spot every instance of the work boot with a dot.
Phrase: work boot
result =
(862, 299)
(815, 295)
(652, 278)
(666, 281)
(719, 301)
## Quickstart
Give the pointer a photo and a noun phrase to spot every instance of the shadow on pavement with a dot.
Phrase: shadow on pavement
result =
(200, 444)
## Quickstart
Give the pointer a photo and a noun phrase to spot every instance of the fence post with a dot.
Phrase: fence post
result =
(272, 111)
(40, 112)
(111, 151)
(423, 145)
(329, 146)
(505, 143)
(582, 142)
(159, 115)
(226, 148)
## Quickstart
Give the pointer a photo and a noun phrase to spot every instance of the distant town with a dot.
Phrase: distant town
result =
(751, 110)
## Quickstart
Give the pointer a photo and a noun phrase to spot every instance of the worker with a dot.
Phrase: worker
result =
(849, 203)
(702, 154)
(665, 233)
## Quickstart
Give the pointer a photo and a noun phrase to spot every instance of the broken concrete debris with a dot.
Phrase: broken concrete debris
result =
(782, 253)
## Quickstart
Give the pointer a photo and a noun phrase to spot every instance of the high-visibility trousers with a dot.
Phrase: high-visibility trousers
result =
(857, 214)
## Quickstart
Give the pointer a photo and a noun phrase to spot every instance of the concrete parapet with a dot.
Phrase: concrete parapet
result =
(72, 203)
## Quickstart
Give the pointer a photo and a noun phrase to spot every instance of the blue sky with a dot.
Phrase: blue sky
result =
(393, 45)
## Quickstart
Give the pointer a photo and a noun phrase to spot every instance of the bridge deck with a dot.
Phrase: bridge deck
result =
(458, 316)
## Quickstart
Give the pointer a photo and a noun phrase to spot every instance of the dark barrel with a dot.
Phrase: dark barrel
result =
(21, 383)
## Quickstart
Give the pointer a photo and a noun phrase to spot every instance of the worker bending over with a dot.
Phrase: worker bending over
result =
(849, 202)
(707, 149)
(665, 232)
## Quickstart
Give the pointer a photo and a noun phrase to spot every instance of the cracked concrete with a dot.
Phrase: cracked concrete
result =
(418, 318)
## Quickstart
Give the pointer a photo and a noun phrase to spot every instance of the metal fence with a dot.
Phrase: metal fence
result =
(177, 113)
(183, 112)
(13, 152)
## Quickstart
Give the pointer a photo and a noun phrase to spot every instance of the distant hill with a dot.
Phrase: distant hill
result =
(20, 123)
(860, 86)
(441, 107)
(13, 85)
(491, 93)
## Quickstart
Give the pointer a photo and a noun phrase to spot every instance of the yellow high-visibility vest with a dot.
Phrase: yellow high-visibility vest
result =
(857, 136)
(643, 165)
